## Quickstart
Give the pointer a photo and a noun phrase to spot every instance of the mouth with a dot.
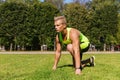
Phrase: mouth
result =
(56, 29)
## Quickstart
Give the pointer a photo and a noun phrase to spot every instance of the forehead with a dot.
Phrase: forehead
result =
(58, 21)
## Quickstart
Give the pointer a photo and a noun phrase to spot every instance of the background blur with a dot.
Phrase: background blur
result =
(28, 24)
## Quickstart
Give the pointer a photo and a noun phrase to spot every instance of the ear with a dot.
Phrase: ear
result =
(64, 25)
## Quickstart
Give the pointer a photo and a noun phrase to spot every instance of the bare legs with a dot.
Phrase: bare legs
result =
(83, 62)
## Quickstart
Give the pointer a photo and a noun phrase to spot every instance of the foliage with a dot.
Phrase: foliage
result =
(13, 17)
(118, 33)
(105, 20)
(77, 16)
(27, 25)
(58, 3)
(44, 24)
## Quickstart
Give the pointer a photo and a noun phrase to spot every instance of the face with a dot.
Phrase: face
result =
(59, 26)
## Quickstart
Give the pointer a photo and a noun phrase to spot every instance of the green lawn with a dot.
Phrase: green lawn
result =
(39, 67)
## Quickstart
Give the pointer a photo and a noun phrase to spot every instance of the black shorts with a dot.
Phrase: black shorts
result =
(85, 50)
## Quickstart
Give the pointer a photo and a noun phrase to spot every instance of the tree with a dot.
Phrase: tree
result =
(14, 16)
(105, 21)
(77, 16)
(118, 33)
(58, 3)
(44, 23)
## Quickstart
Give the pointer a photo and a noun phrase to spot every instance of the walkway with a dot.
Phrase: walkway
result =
(50, 52)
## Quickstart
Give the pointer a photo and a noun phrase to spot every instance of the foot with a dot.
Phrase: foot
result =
(92, 61)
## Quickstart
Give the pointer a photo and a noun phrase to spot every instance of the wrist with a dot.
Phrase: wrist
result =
(79, 68)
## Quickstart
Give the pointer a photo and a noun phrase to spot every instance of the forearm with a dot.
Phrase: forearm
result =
(57, 58)
(77, 59)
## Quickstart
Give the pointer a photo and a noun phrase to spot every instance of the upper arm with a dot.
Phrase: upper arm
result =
(74, 36)
(58, 45)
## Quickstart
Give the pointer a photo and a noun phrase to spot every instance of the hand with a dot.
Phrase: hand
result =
(78, 71)
(54, 68)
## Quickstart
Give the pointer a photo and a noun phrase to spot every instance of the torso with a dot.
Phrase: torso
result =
(67, 40)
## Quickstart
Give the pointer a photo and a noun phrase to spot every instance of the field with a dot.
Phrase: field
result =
(39, 67)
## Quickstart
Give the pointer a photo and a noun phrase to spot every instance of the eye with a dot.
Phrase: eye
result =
(56, 25)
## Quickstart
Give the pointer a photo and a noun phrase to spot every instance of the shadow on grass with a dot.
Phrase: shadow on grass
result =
(67, 65)
(70, 65)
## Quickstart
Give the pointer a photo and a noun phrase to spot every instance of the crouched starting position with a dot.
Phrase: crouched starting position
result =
(76, 42)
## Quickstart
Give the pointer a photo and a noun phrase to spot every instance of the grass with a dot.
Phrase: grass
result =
(39, 67)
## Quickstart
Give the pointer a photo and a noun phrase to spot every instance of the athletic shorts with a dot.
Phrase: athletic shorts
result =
(84, 46)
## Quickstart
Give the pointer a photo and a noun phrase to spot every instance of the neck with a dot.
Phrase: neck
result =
(64, 32)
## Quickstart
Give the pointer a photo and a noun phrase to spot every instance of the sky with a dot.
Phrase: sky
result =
(69, 1)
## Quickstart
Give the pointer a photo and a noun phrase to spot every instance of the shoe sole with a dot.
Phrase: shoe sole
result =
(92, 61)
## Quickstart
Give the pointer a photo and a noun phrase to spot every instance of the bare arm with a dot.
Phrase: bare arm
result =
(57, 53)
(76, 49)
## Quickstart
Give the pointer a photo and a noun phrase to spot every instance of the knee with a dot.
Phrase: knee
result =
(69, 47)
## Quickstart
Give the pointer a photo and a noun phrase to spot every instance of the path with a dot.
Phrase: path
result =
(49, 52)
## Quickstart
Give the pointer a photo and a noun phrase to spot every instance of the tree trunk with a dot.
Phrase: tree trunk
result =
(23, 48)
(11, 46)
(112, 47)
(104, 46)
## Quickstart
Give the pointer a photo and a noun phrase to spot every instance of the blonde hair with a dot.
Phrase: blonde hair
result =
(62, 18)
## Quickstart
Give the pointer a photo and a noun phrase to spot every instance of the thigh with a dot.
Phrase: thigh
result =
(84, 48)
(70, 49)
(84, 45)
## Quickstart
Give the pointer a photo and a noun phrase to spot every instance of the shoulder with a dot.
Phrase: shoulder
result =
(74, 34)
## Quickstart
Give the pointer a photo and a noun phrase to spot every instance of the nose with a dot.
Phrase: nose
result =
(55, 27)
